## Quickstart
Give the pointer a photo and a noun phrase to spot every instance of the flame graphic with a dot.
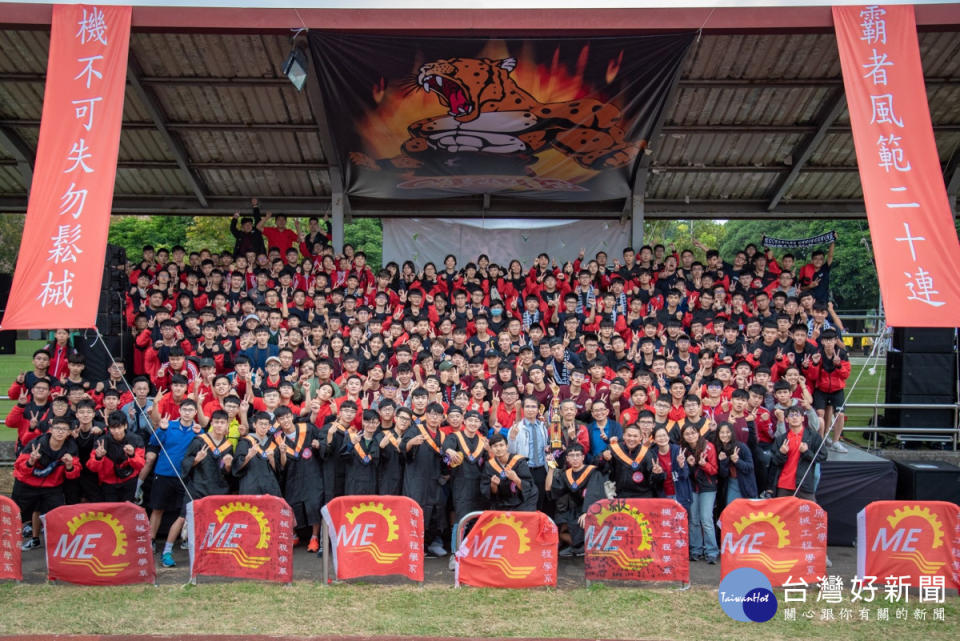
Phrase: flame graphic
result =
(613, 68)
(383, 129)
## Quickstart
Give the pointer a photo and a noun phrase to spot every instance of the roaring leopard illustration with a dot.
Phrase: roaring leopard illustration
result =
(492, 123)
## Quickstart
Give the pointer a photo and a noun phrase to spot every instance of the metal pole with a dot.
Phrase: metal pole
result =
(336, 221)
(324, 538)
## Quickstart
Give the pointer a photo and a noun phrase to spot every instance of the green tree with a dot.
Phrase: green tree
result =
(682, 232)
(853, 279)
(209, 232)
(11, 231)
(366, 235)
(133, 232)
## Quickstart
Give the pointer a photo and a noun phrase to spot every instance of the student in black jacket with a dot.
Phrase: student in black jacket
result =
(361, 453)
(632, 465)
(574, 489)
(204, 467)
(795, 455)
(507, 483)
(258, 458)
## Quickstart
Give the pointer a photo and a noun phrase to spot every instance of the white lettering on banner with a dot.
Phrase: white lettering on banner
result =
(84, 110)
(883, 110)
(72, 202)
(875, 68)
(874, 27)
(82, 153)
(93, 27)
(921, 288)
(88, 69)
(57, 292)
(909, 239)
(65, 247)
(891, 153)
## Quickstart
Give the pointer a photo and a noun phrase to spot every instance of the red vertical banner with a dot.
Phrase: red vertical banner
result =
(509, 550)
(99, 544)
(918, 541)
(11, 568)
(784, 538)
(637, 540)
(375, 536)
(911, 225)
(246, 537)
(60, 266)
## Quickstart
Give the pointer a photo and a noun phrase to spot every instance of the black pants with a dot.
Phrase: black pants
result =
(119, 492)
(544, 502)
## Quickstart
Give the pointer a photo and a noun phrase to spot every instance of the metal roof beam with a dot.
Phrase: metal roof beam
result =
(685, 83)
(951, 178)
(831, 110)
(311, 127)
(22, 154)
(153, 106)
(184, 204)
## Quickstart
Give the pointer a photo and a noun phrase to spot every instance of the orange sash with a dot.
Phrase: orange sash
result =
(363, 454)
(429, 439)
(301, 439)
(502, 471)
(216, 449)
(633, 463)
(271, 445)
(575, 483)
(472, 456)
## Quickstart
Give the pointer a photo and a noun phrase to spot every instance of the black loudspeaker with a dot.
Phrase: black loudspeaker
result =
(922, 417)
(8, 339)
(910, 374)
(97, 358)
(924, 340)
(110, 319)
(928, 481)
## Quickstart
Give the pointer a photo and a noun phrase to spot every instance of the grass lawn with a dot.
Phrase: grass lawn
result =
(357, 609)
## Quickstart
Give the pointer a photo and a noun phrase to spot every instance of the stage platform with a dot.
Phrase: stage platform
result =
(848, 482)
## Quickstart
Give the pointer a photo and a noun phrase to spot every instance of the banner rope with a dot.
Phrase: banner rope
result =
(176, 469)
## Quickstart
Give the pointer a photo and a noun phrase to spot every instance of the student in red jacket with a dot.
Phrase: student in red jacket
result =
(117, 459)
(29, 412)
(828, 396)
(40, 471)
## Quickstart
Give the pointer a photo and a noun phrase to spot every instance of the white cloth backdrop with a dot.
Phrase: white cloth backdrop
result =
(424, 240)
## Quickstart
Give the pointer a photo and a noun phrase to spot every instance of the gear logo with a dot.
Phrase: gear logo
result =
(520, 534)
(240, 515)
(912, 514)
(766, 522)
(619, 556)
(86, 528)
(393, 531)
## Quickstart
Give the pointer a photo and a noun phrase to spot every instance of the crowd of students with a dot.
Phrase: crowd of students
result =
(286, 369)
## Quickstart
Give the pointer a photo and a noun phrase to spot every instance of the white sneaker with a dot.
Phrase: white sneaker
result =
(829, 562)
(436, 549)
(838, 447)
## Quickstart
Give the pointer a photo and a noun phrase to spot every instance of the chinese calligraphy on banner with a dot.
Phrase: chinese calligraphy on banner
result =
(375, 536)
(59, 271)
(918, 254)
